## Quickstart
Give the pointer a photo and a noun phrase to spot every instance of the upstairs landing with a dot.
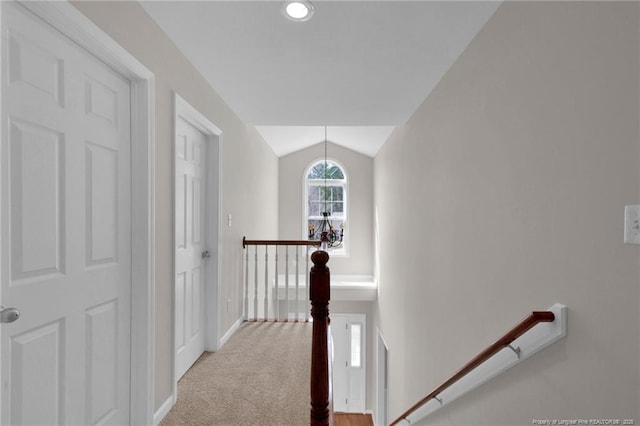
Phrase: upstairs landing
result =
(259, 377)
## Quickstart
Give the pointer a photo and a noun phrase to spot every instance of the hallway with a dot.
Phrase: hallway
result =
(259, 377)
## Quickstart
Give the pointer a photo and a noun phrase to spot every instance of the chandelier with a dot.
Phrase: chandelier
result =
(326, 232)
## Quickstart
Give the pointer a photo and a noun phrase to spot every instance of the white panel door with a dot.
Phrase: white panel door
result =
(349, 362)
(66, 233)
(190, 244)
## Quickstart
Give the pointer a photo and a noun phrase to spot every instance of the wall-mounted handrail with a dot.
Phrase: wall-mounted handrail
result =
(521, 328)
(246, 242)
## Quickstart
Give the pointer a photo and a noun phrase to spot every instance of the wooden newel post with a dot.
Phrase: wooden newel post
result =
(319, 293)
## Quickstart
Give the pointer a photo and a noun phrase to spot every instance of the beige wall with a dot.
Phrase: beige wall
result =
(359, 167)
(504, 194)
(250, 169)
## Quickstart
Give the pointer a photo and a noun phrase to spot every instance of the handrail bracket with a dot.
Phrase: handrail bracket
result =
(517, 350)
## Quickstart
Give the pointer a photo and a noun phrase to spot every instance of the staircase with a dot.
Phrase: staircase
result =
(317, 287)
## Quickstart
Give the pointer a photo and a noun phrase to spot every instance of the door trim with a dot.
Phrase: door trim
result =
(72, 23)
(213, 224)
(382, 384)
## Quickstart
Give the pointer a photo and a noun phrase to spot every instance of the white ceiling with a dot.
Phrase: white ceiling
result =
(360, 67)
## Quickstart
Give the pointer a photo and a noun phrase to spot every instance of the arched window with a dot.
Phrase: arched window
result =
(326, 191)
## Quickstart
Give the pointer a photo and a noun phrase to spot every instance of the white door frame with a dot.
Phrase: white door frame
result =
(75, 25)
(382, 384)
(213, 223)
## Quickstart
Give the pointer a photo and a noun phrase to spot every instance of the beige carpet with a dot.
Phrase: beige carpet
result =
(259, 377)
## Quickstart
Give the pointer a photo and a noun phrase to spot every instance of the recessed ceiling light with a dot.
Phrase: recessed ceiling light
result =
(299, 10)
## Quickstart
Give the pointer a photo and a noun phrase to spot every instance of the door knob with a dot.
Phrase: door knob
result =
(8, 315)
(206, 254)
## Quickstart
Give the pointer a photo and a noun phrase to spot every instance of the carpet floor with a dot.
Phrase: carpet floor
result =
(259, 377)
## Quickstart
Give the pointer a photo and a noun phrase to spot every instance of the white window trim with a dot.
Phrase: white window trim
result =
(344, 251)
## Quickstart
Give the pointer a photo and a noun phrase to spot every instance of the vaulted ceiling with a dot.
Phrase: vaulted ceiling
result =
(358, 67)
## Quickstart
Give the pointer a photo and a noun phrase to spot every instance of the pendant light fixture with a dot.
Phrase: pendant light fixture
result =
(326, 232)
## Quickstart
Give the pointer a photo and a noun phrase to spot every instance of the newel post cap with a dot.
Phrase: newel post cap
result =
(320, 258)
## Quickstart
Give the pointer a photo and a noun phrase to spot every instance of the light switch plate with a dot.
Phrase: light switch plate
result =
(632, 224)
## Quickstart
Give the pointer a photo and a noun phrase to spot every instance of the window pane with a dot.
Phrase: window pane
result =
(317, 232)
(337, 209)
(337, 224)
(318, 194)
(337, 193)
(316, 172)
(314, 192)
(332, 171)
(325, 193)
(356, 345)
(315, 208)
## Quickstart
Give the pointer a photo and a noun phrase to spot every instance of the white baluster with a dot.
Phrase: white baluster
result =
(286, 283)
(266, 283)
(297, 282)
(246, 283)
(255, 288)
(307, 302)
(276, 297)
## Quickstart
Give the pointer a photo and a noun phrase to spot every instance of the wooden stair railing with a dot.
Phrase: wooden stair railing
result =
(525, 325)
(245, 242)
(320, 294)
(268, 290)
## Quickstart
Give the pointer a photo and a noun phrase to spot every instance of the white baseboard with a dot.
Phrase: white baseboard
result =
(164, 410)
(230, 332)
(170, 402)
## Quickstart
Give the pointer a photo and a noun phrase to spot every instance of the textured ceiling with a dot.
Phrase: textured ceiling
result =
(361, 67)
